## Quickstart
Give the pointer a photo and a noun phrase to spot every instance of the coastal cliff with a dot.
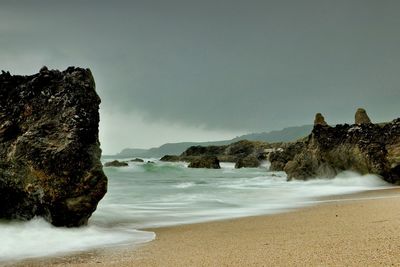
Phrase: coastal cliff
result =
(49, 149)
(363, 147)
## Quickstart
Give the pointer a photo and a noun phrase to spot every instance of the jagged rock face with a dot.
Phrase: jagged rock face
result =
(279, 158)
(49, 149)
(361, 117)
(365, 148)
(209, 162)
(319, 120)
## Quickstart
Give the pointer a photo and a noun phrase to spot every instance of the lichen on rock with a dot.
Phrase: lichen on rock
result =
(49, 149)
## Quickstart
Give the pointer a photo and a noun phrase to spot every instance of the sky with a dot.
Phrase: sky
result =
(170, 71)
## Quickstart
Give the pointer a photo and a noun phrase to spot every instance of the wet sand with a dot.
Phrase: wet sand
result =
(351, 230)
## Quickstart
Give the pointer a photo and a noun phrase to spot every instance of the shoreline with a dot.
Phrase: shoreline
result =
(349, 229)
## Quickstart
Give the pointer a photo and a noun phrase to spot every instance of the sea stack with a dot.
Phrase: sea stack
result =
(363, 147)
(49, 148)
(361, 117)
(319, 120)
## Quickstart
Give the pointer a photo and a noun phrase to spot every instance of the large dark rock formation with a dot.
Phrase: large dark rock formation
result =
(364, 148)
(249, 153)
(209, 162)
(49, 149)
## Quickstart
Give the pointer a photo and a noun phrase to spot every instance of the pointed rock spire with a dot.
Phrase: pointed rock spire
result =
(319, 120)
(361, 117)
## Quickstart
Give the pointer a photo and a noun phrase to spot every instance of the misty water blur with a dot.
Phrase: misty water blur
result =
(146, 195)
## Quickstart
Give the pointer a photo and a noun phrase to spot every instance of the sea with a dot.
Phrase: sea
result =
(157, 194)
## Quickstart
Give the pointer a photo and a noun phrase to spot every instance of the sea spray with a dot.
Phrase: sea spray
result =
(145, 195)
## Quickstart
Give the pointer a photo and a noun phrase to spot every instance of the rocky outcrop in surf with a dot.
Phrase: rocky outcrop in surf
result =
(170, 158)
(49, 149)
(247, 162)
(116, 163)
(208, 162)
(136, 160)
(362, 147)
(244, 153)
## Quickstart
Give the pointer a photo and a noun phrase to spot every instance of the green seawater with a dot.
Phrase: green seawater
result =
(147, 195)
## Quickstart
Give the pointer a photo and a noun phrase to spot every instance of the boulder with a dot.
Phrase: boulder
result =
(170, 158)
(116, 163)
(361, 117)
(195, 151)
(248, 162)
(49, 149)
(209, 162)
(136, 160)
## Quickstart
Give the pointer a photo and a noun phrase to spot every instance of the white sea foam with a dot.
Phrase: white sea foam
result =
(37, 238)
(227, 165)
(145, 195)
(185, 185)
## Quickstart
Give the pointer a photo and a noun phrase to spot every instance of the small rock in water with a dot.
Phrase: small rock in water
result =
(116, 163)
(248, 162)
(209, 162)
(137, 160)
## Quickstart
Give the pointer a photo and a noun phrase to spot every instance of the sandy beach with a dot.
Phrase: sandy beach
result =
(350, 230)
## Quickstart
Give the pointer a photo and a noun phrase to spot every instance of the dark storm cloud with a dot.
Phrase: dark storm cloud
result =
(240, 65)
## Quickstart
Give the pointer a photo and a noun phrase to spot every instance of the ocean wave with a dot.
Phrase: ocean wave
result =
(38, 238)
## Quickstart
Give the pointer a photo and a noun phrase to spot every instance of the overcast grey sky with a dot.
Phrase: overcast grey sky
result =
(205, 70)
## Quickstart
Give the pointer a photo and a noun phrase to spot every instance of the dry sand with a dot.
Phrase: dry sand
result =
(346, 231)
